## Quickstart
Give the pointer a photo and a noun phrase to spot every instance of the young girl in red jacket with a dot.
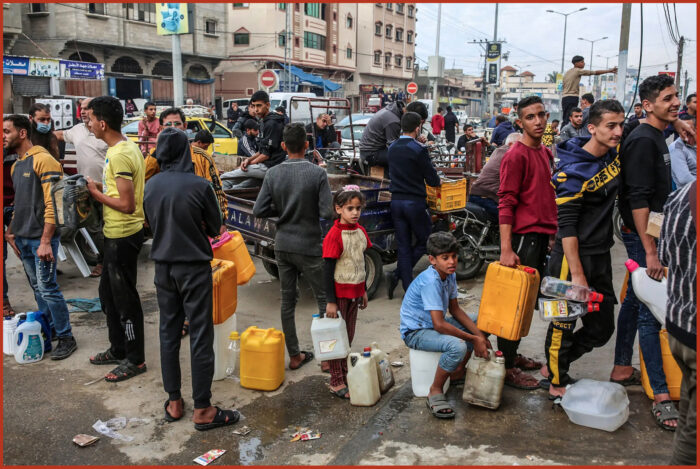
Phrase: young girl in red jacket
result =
(344, 271)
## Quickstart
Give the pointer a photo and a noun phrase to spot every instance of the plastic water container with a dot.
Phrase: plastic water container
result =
(362, 380)
(483, 385)
(596, 404)
(565, 290)
(30, 342)
(649, 291)
(234, 352)
(221, 341)
(230, 246)
(224, 290)
(262, 359)
(673, 373)
(330, 338)
(385, 375)
(423, 367)
(9, 342)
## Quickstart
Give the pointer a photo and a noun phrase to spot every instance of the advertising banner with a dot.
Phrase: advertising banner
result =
(15, 65)
(43, 67)
(493, 59)
(82, 70)
(171, 18)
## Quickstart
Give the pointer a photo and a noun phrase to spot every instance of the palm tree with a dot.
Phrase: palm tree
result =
(552, 77)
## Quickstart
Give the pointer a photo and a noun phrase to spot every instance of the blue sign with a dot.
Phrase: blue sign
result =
(84, 70)
(15, 65)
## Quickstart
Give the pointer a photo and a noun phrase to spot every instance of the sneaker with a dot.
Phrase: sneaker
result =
(65, 348)
(391, 282)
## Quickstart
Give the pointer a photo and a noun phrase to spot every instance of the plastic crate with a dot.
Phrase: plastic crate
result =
(451, 195)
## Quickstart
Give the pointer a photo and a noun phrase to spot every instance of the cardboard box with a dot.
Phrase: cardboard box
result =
(376, 172)
(656, 219)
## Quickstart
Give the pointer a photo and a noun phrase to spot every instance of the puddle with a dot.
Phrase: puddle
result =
(249, 451)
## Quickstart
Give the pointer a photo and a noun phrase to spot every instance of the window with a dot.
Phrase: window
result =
(296, 41)
(281, 6)
(409, 37)
(317, 10)
(210, 26)
(221, 132)
(314, 41)
(409, 62)
(411, 9)
(296, 7)
(387, 59)
(39, 8)
(378, 28)
(348, 53)
(145, 12)
(399, 34)
(377, 57)
(241, 39)
(241, 5)
(389, 29)
(281, 39)
(348, 22)
(96, 8)
(335, 16)
(397, 60)
(399, 8)
(335, 48)
(389, 6)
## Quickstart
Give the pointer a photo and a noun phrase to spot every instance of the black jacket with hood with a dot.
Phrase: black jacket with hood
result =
(181, 207)
(270, 139)
(586, 188)
(382, 129)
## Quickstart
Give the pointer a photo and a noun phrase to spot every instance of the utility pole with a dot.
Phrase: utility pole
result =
(178, 99)
(287, 85)
(492, 87)
(436, 98)
(680, 62)
(685, 86)
(623, 51)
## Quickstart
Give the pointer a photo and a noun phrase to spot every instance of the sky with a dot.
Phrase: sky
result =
(534, 37)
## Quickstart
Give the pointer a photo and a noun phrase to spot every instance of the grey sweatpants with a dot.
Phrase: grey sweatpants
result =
(684, 441)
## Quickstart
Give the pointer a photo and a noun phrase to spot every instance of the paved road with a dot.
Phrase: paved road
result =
(47, 403)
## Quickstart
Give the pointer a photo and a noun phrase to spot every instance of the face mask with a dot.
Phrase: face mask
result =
(43, 128)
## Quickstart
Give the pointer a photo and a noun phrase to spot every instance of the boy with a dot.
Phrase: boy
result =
(297, 192)
(424, 325)
(586, 184)
(528, 217)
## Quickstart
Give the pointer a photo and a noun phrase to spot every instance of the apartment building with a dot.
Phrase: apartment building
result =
(319, 41)
(515, 86)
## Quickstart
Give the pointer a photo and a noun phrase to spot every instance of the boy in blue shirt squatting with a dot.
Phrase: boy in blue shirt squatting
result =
(424, 325)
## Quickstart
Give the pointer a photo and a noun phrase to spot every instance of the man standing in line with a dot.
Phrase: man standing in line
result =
(121, 193)
(528, 217)
(232, 115)
(451, 125)
(149, 127)
(32, 231)
(575, 126)
(438, 122)
(571, 82)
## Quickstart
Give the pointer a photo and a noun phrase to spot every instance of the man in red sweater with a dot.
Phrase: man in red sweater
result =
(527, 217)
(438, 122)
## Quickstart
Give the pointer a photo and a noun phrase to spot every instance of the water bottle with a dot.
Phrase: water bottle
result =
(552, 309)
(565, 290)
(234, 350)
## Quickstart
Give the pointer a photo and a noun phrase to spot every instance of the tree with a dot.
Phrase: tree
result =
(552, 77)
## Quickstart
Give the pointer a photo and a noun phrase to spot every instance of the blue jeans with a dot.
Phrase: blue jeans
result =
(42, 278)
(635, 316)
(410, 219)
(490, 205)
(453, 348)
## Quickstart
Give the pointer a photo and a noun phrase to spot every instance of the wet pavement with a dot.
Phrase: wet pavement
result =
(47, 403)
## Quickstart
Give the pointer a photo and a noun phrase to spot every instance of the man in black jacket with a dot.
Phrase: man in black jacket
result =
(232, 115)
(182, 210)
(451, 125)
(249, 113)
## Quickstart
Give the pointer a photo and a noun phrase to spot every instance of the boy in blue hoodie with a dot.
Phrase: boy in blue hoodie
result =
(586, 184)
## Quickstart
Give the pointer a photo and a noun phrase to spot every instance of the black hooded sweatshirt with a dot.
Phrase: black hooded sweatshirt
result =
(180, 206)
(270, 139)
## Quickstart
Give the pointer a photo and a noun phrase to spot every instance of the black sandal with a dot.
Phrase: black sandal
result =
(105, 358)
(221, 419)
(308, 356)
(126, 370)
(170, 418)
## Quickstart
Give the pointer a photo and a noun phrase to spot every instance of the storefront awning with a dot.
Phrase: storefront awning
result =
(313, 79)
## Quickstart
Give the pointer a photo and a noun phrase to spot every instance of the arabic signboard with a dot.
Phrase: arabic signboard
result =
(171, 18)
(493, 59)
(82, 70)
(43, 67)
(15, 65)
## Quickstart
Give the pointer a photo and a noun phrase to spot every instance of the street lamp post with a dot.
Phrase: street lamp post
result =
(607, 61)
(566, 18)
(590, 65)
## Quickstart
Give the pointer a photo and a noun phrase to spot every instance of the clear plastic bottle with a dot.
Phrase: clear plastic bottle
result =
(552, 309)
(234, 351)
(565, 290)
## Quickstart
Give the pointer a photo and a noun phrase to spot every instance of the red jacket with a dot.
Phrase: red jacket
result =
(526, 196)
(438, 124)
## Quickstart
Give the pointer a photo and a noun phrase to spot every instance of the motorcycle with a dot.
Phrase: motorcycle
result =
(479, 241)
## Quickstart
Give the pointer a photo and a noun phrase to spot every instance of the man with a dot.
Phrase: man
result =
(468, 136)
(8, 201)
(183, 212)
(42, 124)
(527, 216)
(646, 184)
(438, 122)
(691, 112)
(319, 137)
(384, 128)
(149, 128)
(484, 192)
(282, 111)
(202, 141)
(248, 114)
(502, 130)
(638, 113)
(32, 231)
(586, 184)
(121, 193)
(248, 144)
(270, 152)
(451, 125)
(587, 101)
(571, 82)
(678, 250)
(684, 161)
(232, 115)
(410, 170)
(90, 154)
(575, 126)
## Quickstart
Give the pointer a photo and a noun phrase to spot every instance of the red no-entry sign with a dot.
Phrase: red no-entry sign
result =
(412, 88)
(268, 78)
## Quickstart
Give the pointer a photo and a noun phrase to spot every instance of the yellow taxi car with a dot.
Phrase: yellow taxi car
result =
(224, 141)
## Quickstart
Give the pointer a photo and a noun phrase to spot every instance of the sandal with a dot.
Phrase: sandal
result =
(7, 310)
(436, 404)
(632, 380)
(308, 356)
(105, 358)
(97, 271)
(520, 380)
(170, 418)
(343, 393)
(665, 410)
(126, 370)
(527, 364)
(221, 419)
(185, 329)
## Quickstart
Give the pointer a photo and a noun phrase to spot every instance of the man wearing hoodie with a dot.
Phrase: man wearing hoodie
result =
(182, 210)
(270, 152)
(586, 184)
(502, 130)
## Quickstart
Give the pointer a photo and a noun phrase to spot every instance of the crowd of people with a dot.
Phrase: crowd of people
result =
(555, 218)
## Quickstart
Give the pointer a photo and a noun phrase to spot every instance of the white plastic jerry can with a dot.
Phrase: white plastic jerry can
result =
(30, 342)
(362, 380)
(330, 338)
(384, 374)
(483, 384)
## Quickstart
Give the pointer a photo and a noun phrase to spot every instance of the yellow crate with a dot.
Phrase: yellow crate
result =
(451, 195)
